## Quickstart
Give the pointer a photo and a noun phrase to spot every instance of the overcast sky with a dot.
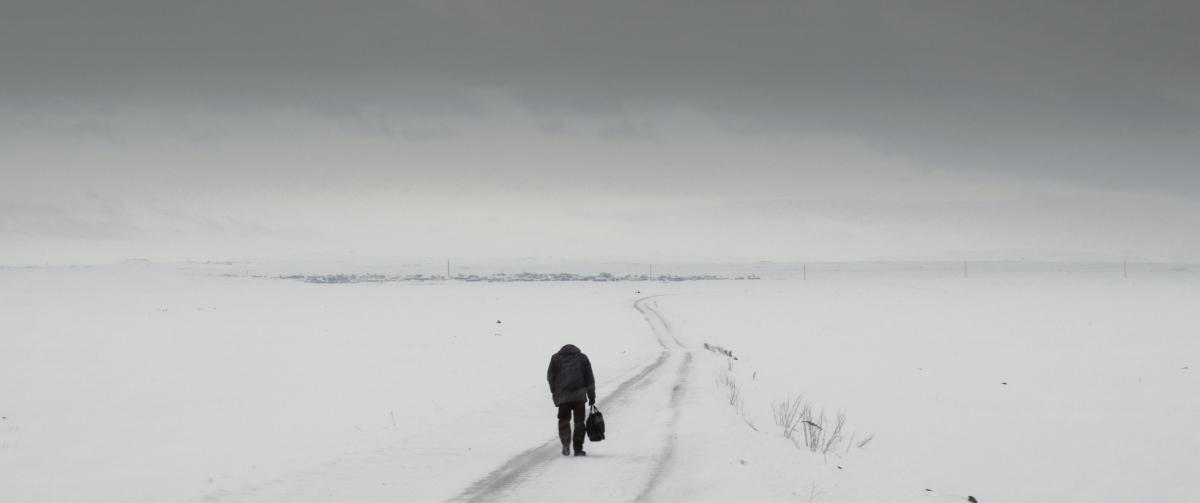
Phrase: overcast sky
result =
(780, 130)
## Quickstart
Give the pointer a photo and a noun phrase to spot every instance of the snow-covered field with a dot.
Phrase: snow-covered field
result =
(1069, 388)
(175, 383)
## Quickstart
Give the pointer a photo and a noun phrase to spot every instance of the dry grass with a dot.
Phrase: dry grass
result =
(817, 432)
(798, 419)
(789, 413)
(732, 391)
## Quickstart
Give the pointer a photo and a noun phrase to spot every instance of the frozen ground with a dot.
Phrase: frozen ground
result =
(155, 383)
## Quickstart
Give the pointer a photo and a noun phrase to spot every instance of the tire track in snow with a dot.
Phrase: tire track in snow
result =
(531, 462)
(656, 321)
(527, 463)
(668, 451)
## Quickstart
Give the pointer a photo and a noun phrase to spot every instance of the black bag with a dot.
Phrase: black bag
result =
(595, 425)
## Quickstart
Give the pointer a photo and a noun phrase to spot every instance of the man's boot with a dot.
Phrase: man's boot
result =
(566, 449)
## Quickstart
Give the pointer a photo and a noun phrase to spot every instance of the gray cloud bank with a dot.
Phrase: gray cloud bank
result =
(807, 129)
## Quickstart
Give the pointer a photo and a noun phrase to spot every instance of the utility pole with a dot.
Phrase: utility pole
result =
(1125, 269)
(651, 266)
(964, 268)
(804, 267)
(447, 269)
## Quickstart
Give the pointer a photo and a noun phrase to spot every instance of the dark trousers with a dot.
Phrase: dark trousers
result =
(564, 425)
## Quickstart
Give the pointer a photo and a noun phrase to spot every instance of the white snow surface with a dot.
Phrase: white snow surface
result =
(148, 383)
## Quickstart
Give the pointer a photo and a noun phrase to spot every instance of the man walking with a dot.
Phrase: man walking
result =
(571, 381)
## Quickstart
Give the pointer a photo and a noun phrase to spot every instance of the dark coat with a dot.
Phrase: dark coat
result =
(570, 376)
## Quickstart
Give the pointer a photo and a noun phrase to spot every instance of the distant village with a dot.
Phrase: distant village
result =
(507, 278)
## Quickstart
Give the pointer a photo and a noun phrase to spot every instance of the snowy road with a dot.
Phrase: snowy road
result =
(627, 466)
(458, 461)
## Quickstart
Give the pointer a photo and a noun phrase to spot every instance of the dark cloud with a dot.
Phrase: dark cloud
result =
(1101, 96)
(819, 64)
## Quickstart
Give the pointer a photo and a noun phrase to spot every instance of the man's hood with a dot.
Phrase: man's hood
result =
(568, 349)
